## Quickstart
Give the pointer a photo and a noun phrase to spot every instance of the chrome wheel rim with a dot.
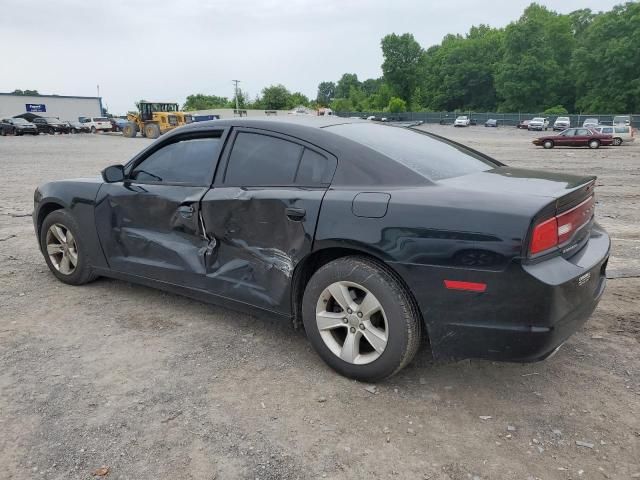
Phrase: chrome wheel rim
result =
(352, 323)
(62, 249)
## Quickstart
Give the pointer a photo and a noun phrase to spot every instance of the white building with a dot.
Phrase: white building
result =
(61, 106)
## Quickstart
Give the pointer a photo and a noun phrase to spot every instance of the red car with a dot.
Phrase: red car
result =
(523, 124)
(575, 137)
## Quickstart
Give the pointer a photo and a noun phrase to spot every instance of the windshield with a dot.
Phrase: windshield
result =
(19, 121)
(562, 119)
(591, 120)
(538, 119)
(462, 118)
(621, 119)
(52, 119)
(433, 158)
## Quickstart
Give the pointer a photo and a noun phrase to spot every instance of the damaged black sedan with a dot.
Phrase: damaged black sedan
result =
(377, 238)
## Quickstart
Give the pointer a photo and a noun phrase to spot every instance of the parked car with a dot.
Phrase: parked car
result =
(575, 137)
(51, 125)
(78, 127)
(117, 124)
(538, 123)
(493, 262)
(17, 126)
(492, 122)
(622, 120)
(462, 121)
(523, 124)
(561, 123)
(590, 123)
(621, 133)
(97, 124)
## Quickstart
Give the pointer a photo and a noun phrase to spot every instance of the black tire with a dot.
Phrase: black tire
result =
(93, 129)
(52, 131)
(548, 144)
(151, 130)
(3, 132)
(82, 273)
(617, 141)
(403, 321)
(594, 144)
(129, 130)
(74, 131)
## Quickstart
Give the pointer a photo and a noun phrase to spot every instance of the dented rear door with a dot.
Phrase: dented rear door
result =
(261, 216)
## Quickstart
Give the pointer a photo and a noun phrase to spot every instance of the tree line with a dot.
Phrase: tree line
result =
(543, 62)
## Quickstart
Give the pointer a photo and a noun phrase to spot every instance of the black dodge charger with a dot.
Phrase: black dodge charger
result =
(377, 238)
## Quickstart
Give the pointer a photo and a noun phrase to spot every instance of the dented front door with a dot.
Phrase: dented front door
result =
(152, 231)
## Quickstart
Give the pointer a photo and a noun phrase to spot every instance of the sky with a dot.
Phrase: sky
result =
(164, 50)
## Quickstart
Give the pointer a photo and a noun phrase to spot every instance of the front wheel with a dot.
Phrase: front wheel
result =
(63, 249)
(151, 130)
(548, 144)
(594, 144)
(360, 319)
(93, 129)
(52, 131)
(617, 141)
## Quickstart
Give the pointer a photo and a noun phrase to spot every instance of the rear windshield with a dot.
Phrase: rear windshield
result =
(101, 119)
(433, 158)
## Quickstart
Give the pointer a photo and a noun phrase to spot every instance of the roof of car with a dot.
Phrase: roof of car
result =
(262, 122)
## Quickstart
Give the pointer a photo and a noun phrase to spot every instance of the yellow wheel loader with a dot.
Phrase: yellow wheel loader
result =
(153, 119)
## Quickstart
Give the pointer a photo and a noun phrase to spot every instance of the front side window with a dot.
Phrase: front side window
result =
(583, 132)
(262, 160)
(189, 162)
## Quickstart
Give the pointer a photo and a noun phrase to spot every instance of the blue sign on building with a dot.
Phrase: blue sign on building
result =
(36, 107)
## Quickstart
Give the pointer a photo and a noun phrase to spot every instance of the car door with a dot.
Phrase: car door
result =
(150, 224)
(40, 124)
(582, 137)
(565, 138)
(261, 215)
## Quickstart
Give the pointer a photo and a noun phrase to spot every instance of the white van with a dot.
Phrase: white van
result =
(620, 133)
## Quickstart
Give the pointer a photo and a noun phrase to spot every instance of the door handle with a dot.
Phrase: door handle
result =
(186, 211)
(295, 214)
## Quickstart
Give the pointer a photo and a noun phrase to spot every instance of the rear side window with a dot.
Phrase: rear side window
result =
(189, 162)
(433, 158)
(622, 129)
(262, 160)
(314, 169)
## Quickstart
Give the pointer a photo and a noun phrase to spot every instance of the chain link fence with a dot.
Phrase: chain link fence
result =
(508, 119)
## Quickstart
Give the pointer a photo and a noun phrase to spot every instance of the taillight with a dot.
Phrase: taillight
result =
(557, 230)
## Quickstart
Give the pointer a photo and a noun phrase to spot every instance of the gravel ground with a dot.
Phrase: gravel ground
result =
(153, 385)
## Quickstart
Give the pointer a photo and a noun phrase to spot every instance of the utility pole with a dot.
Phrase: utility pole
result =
(236, 82)
(98, 88)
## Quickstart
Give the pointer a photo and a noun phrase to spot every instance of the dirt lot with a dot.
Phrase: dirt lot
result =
(156, 386)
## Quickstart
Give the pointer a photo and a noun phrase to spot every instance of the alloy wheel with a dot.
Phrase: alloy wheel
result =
(352, 323)
(62, 248)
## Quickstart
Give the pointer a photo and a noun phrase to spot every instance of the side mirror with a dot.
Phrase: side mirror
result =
(113, 174)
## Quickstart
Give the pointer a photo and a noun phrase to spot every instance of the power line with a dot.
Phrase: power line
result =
(236, 82)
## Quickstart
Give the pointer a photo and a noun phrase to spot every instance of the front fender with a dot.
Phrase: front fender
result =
(78, 198)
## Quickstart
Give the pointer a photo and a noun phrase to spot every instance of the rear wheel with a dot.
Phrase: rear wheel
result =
(617, 141)
(360, 319)
(52, 131)
(151, 130)
(594, 144)
(548, 144)
(63, 250)
(129, 130)
(93, 129)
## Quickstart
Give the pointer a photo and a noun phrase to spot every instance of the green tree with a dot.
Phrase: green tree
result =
(26, 92)
(403, 63)
(276, 97)
(343, 87)
(397, 105)
(326, 92)
(298, 99)
(557, 110)
(200, 101)
(606, 64)
(341, 105)
(533, 72)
